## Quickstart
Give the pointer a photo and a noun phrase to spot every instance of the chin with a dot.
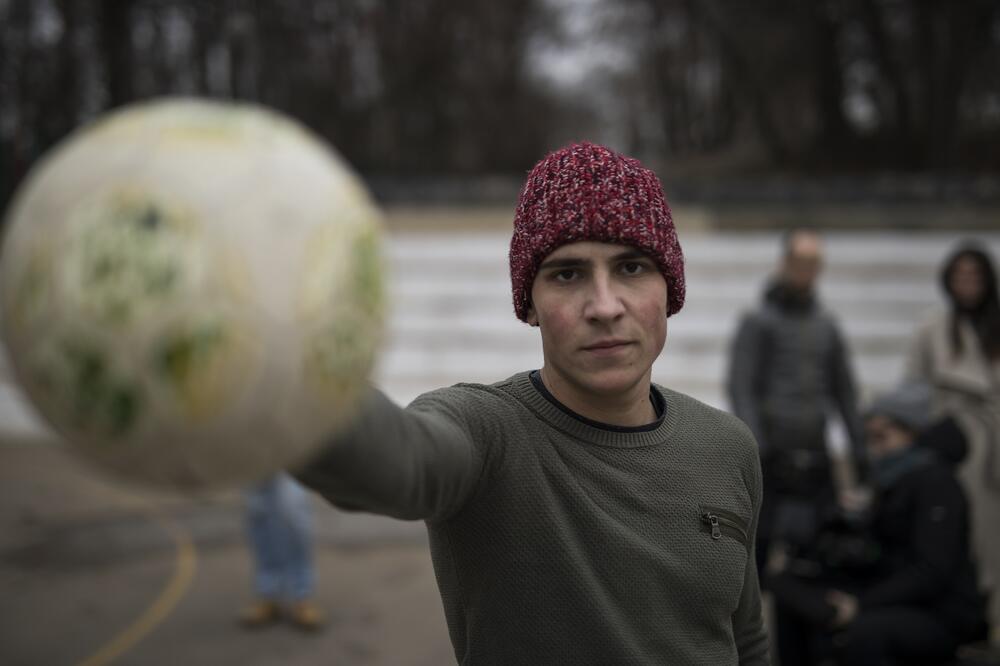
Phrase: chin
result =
(613, 381)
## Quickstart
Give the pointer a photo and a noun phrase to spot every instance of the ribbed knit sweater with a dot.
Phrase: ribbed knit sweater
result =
(555, 541)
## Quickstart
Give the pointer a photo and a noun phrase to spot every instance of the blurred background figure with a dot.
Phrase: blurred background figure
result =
(890, 578)
(279, 527)
(788, 368)
(957, 351)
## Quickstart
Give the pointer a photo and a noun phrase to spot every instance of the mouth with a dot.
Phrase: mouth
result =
(606, 346)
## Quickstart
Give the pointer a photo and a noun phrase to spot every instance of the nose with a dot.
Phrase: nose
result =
(604, 303)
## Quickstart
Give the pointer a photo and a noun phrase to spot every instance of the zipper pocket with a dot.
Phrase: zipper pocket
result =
(719, 521)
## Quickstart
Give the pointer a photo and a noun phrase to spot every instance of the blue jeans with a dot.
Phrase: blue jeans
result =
(279, 524)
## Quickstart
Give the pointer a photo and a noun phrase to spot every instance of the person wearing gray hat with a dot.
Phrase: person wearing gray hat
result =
(909, 406)
(915, 596)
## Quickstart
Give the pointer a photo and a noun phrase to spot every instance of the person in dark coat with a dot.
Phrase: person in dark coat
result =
(789, 371)
(909, 595)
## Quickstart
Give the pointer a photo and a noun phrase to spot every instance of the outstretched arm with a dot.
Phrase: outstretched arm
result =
(413, 463)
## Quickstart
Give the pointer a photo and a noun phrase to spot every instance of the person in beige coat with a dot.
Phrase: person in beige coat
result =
(957, 351)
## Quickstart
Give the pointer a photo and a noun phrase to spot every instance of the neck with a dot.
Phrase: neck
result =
(629, 408)
(791, 297)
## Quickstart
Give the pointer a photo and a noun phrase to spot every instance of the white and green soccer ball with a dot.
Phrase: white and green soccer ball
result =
(192, 292)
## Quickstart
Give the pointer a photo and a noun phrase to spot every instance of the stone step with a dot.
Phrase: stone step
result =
(452, 319)
(673, 365)
(495, 294)
(752, 248)
(472, 323)
(864, 339)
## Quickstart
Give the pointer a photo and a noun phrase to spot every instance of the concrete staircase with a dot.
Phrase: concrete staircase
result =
(452, 318)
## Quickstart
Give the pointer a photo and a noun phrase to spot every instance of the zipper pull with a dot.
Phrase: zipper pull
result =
(713, 520)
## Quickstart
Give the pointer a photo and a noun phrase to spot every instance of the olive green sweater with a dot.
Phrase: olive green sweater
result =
(558, 542)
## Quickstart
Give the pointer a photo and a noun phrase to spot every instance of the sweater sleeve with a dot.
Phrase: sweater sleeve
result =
(748, 621)
(415, 463)
(919, 366)
(744, 381)
(936, 546)
(846, 398)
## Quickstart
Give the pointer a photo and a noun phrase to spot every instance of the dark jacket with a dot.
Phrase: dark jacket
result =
(788, 368)
(921, 522)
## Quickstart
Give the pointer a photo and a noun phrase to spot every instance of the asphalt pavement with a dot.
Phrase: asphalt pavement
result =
(95, 572)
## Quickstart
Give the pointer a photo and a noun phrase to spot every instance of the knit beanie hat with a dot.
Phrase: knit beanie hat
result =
(909, 405)
(586, 192)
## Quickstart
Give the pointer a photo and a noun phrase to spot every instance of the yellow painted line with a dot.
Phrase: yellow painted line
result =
(186, 561)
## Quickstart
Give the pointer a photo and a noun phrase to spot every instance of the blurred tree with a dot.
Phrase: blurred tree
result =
(400, 86)
(40, 86)
(436, 87)
(115, 21)
(830, 83)
(455, 88)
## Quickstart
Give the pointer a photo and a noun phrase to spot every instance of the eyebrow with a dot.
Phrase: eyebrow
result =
(571, 261)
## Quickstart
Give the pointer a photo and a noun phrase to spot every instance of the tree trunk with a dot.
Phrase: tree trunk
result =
(116, 50)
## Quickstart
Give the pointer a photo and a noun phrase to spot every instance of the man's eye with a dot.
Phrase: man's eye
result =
(565, 275)
(633, 267)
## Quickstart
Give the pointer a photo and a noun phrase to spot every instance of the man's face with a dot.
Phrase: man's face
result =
(803, 262)
(602, 311)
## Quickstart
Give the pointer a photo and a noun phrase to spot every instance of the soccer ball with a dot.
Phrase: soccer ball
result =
(192, 292)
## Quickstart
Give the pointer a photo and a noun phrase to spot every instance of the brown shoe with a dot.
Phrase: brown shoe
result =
(260, 614)
(306, 615)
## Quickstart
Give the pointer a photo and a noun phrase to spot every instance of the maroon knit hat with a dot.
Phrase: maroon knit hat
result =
(586, 192)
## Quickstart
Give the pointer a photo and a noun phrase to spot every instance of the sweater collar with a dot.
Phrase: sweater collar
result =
(591, 432)
(659, 406)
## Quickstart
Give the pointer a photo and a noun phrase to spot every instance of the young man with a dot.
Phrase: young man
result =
(577, 514)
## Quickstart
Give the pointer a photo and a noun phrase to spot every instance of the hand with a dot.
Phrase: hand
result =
(855, 500)
(777, 559)
(846, 606)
